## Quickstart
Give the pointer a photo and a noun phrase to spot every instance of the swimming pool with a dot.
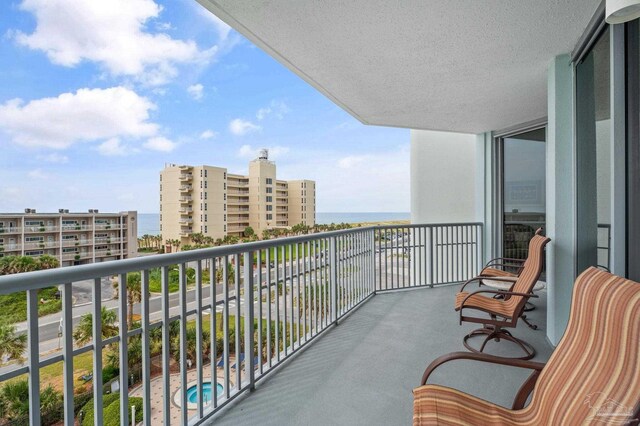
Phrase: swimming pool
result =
(207, 393)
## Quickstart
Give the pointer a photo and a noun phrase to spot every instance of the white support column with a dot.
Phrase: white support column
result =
(561, 196)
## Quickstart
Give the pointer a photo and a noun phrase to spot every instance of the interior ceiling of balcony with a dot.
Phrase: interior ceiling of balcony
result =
(453, 65)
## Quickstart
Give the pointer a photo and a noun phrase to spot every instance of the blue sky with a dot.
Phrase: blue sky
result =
(97, 96)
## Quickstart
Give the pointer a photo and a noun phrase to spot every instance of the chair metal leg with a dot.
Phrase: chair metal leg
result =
(496, 334)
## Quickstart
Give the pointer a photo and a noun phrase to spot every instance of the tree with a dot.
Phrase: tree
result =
(249, 232)
(191, 345)
(12, 345)
(14, 400)
(84, 331)
(134, 293)
(47, 262)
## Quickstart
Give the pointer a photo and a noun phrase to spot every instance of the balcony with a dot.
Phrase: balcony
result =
(312, 283)
(40, 229)
(11, 230)
(186, 210)
(185, 199)
(186, 221)
(186, 188)
(185, 177)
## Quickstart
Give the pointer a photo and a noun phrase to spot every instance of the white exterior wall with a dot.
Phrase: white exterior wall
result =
(444, 182)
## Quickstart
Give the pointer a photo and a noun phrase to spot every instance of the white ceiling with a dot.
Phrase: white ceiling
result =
(454, 65)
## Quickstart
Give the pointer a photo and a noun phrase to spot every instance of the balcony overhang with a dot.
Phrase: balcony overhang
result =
(440, 65)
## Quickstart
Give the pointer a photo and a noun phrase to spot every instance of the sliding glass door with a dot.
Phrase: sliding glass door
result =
(523, 190)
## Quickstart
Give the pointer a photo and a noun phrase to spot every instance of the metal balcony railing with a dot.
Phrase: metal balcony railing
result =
(281, 293)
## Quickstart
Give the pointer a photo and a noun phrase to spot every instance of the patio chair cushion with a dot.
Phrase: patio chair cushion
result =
(440, 405)
(495, 272)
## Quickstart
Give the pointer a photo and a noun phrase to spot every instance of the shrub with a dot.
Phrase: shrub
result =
(111, 406)
(109, 372)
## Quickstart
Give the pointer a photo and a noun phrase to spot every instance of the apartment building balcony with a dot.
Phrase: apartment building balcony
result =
(238, 193)
(41, 244)
(106, 253)
(237, 209)
(186, 188)
(186, 199)
(77, 256)
(185, 177)
(78, 242)
(10, 248)
(186, 210)
(76, 227)
(107, 226)
(11, 230)
(40, 229)
(185, 221)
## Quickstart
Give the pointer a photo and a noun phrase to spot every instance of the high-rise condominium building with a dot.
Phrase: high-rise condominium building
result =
(211, 201)
(73, 238)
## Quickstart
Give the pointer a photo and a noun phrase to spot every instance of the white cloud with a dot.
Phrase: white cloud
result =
(113, 148)
(250, 153)
(54, 158)
(208, 134)
(87, 115)
(196, 91)
(221, 27)
(276, 108)
(37, 174)
(351, 161)
(161, 144)
(357, 182)
(241, 127)
(111, 33)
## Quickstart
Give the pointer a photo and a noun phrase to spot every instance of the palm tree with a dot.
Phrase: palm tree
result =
(134, 293)
(47, 262)
(84, 331)
(14, 399)
(11, 344)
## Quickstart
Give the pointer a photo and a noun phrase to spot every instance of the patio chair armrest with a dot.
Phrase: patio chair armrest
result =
(505, 259)
(500, 292)
(511, 362)
(501, 265)
(469, 281)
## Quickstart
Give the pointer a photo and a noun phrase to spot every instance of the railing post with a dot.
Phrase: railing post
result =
(248, 319)
(372, 261)
(33, 354)
(333, 278)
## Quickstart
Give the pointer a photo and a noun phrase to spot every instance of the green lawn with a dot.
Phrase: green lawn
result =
(14, 306)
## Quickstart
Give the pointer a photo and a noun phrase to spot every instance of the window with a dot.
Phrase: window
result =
(269, 181)
(269, 190)
(269, 199)
(269, 207)
(269, 216)
(205, 218)
(34, 239)
(205, 173)
(69, 250)
(225, 186)
(225, 218)
(34, 223)
(225, 207)
(205, 183)
(225, 196)
(205, 229)
(205, 195)
(205, 207)
(224, 175)
(200, 185)
(225, 228)
(34, 253)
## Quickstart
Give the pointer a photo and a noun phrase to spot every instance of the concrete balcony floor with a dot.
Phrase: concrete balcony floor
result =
(362, 372)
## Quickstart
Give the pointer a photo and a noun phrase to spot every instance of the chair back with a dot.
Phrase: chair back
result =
(529, 275)
(593, 376)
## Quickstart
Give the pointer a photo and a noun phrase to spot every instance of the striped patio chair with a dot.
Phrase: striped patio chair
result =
(592, 377)
(504, 266)
(505, 311)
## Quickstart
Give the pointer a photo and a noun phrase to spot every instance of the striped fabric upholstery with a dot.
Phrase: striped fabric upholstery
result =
(524, 284)
(592, 377)
(495, 272)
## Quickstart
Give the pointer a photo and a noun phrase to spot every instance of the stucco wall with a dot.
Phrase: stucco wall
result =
(443, 177)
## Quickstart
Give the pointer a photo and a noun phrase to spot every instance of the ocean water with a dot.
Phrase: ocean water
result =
(149, 223)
